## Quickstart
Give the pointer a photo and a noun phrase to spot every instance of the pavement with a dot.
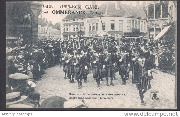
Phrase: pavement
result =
(117, 96)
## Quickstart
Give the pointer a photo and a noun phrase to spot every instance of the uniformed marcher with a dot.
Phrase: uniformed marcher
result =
(142, 84)
(109, 68)
(96, 69)
(122, 70)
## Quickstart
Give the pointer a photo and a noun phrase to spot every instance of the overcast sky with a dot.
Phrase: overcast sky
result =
(56, 6)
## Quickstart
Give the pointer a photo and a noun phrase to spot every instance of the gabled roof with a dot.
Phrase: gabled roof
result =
(110, 9)
(74, 16)
(123, 10)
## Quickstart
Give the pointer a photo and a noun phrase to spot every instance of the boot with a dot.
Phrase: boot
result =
(79, 85)
(85, 80)
(124, 82)
(101, 79)
(111, 84)
(65, 76)
(107, 81)
(72, 81)
(98, 83)
(143, 103)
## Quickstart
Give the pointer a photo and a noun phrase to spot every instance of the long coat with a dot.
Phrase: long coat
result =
(95, 69)
(135, 71)
(142, 77)
(110, 67)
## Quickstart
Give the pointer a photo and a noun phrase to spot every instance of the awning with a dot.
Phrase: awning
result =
(8, 37)
(101, 33)
(162, 32)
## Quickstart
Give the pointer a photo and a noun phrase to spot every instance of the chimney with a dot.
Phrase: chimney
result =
(106, 9)
(130, 3)
(117, 4)
(93, 3)
(79, 3)
(145, 3)
(137, 3)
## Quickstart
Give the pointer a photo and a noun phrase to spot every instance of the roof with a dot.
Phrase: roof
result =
(122, 10)
(110, 9)
(74, 16)
(13, 38)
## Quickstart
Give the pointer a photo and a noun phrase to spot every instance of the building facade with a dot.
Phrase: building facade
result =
(114, 26)
(160, 14)
(73, 27)
(22, 21)
(113, 19)
(48, 32)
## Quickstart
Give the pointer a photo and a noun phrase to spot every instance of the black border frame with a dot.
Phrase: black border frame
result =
(3, 67)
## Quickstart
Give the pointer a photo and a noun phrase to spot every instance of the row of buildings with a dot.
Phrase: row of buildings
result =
(24, 24)
(117, 19)
(48, 31)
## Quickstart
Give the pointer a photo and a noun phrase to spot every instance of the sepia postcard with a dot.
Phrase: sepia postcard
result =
(91, 54)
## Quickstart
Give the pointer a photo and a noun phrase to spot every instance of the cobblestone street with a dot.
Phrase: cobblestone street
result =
(117, 96)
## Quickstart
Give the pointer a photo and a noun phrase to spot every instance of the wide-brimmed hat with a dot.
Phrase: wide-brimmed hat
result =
(14, 97)
(53, 102)
(10, 58)
(18, 76)
(20, 106)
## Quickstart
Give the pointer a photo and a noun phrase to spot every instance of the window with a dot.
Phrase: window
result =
(128, 24)
(112, 25)
(120, 25)
(165, 10)
(74, 28)
(67, 28)
(80, 26)
(132, 23)
(103, 26)
(144, 25)
(77, 28)
(136, 24)
(158, 11)
(141, 25)
(93, 26)
(96, 26)
(89, 27)
(39, 29)
(151, 11)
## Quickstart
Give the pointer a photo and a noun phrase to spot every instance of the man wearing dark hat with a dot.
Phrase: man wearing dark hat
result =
(85, 64)
(135, 68)
(110, 71)
(122, 70)
(142, 84)
(96, 68)
(71, 69)
(57, 52)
